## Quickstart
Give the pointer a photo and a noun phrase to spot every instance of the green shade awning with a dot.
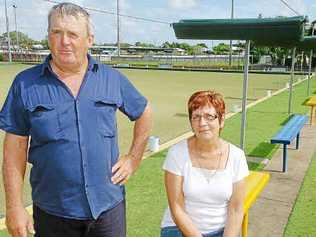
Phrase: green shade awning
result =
(280, 31)
(308, 43)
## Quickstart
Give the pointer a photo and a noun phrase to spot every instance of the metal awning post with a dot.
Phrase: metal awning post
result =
(310, 64)
(309, 73)
(291, 81)
(244, 97)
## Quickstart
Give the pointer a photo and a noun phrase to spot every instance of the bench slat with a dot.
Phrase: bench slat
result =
(311, 101)
(255, 182)
(290, 130)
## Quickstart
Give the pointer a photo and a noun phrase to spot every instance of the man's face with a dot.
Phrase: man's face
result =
(69, 40)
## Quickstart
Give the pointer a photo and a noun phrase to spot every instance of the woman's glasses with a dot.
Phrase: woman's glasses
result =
(206, 117)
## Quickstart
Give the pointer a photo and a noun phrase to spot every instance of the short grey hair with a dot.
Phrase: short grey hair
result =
(70, 9)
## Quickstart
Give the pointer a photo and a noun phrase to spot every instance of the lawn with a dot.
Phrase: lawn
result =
(209, 64)
(146, 204)
(264, 119)
(168, 92)
(302, 219)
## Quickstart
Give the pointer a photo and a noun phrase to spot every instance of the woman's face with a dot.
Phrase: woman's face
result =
(205, 123)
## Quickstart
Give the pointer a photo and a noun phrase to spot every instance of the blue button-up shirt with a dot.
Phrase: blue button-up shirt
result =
(73, 140)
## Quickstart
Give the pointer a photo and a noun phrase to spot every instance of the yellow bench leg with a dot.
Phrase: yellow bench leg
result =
(312, 118)
(244, 231)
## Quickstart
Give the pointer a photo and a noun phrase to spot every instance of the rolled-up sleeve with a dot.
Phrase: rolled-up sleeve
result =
(13, 117)
(133, 103)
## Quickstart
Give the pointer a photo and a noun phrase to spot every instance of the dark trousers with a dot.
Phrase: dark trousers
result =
(111, 223)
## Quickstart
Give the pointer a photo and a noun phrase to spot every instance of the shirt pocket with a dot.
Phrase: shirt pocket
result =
(44, 120)
(106, 119)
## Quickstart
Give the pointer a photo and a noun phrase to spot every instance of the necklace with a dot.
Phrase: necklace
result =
(207, 174)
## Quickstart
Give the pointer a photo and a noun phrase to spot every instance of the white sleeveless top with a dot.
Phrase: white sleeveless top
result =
(205, 201)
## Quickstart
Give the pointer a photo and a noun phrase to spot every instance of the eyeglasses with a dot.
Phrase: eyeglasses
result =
(207, 117)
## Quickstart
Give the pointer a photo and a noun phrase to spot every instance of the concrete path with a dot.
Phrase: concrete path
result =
(269, 215)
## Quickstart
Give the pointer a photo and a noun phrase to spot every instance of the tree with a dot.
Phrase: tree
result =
(124, 45)
(189, 49)
(277, 54)
(202, 45)
(144, 45)
(166, 45)
(44, 42)
(221, 48)
(258, 51)
(24, 40)
(196, 49)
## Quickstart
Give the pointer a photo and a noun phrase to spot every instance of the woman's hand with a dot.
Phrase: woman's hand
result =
(235, 210)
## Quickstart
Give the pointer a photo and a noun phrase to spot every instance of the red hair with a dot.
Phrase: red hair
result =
(207, 98)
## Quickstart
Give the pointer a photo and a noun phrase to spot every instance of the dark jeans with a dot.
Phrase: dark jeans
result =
(174, 231)
(111, 223)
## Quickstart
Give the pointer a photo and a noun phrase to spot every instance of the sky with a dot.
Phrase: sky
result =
(32, 16)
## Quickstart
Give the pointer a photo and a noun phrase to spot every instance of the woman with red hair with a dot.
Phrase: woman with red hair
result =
(204, 176)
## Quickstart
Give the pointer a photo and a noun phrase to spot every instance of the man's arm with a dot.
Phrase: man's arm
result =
(128, 164)
(18, 221)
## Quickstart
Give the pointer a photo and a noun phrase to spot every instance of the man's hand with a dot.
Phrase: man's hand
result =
(124, 168)
(19, 222)
(127, 164)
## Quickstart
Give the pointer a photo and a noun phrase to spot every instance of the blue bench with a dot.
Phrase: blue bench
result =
(288, 132)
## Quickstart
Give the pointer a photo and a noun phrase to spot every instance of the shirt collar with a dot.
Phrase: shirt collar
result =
(93, 65)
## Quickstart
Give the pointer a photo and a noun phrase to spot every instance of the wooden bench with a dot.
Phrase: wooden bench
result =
(255, 183)
(312, 103)
(288, 132)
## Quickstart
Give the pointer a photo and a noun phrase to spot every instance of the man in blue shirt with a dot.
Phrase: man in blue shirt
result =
(67, 107)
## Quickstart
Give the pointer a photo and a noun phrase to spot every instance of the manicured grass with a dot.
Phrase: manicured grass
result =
(146, 198)
(255, 166)
(7, 73)
(302, 220)
(176, 64)
(168, 92)
(264, 120)
(4, 233)
(145, 193)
